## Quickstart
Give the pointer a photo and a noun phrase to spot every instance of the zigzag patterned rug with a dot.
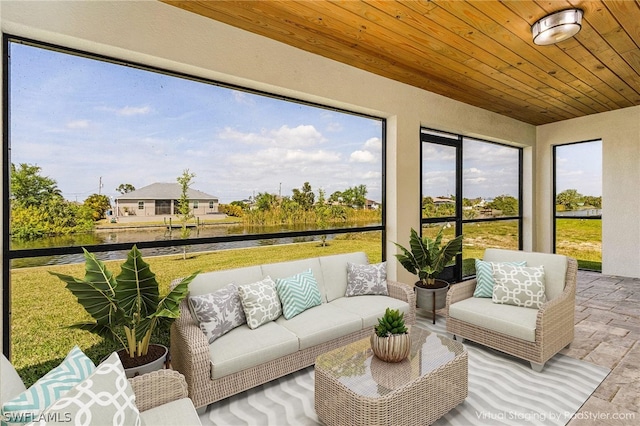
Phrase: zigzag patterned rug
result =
(502, 391)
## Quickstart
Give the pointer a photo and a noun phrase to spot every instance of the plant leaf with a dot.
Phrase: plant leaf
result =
(96, 292)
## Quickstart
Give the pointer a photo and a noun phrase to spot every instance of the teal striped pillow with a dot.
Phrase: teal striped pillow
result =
(298, 293)
(27, 406)
(484, 277)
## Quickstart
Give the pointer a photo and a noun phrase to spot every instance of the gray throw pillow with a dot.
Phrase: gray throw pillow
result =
(219, 312)
(519, 285)
(366, 279)
(260, 302)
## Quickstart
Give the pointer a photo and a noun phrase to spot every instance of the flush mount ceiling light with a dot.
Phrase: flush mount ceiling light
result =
(557, 27)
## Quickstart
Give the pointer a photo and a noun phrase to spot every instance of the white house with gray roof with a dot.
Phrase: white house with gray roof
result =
(161, 199)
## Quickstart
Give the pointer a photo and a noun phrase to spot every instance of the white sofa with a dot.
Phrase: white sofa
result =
(244, 358)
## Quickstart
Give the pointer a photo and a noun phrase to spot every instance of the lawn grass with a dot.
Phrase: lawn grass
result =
(42, 306)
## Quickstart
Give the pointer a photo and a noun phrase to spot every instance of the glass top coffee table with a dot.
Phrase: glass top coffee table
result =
(354, 387)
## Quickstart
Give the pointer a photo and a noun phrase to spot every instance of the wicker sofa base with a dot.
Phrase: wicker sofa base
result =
(210, 391)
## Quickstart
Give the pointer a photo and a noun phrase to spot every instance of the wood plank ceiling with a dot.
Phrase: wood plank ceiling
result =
(477, 52)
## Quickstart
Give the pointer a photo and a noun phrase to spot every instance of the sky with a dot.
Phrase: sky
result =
(491, 169)
(85, 121)
(579, 166)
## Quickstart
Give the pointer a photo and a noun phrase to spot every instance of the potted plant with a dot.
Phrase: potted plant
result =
(126, 309)
(427, 259)
(391, 341)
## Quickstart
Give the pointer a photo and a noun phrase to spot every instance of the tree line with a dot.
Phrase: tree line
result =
(38, 208)
(571, 199)
(303, 206)
(506, 204)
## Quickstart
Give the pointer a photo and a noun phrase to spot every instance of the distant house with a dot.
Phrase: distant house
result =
(442, 200)
(372, 205)
(161, 199)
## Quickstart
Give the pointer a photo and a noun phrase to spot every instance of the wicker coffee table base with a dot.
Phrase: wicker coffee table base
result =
(420, 402)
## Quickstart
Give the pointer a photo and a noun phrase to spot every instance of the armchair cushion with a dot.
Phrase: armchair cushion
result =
(484, 277)
(511, 320)
(555, 266)
(179, 413)
(519, 285)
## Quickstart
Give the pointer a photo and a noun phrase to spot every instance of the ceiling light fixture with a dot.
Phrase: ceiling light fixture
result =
(557, 27)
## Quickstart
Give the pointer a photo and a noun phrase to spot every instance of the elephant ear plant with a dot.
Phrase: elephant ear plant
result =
(128, 305)
(428, 257)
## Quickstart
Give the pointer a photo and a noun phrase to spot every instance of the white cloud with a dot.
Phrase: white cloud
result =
(285, 136)
(373, 144)
(334, 127)
(362, 157)
(243, 98)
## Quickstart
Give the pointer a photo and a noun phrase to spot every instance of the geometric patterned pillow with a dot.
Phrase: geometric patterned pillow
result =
(219, 312)
(28, 406)
(484, 277)
(104, 398)
(366, 279)
(260, 302)
(519, 286)
(298, 293)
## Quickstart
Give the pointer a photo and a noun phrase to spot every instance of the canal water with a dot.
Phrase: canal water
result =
(132, 235)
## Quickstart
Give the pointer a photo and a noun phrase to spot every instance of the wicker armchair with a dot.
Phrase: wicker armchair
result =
(553, 323)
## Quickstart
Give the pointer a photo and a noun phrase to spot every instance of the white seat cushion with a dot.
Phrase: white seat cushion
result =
(369, 307)
(175, 413)
(514, 321)
(242, 348)
(321, 324)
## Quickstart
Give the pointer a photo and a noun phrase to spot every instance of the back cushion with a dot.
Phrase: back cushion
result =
(555, 266)
(334, 270)
(293, 267)
(212, 281)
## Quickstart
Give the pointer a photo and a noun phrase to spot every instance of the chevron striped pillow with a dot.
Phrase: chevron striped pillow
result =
(27, 406)
(484, 277)
(298, 293)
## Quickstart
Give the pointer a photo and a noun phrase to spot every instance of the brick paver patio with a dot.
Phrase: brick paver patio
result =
(607, 333)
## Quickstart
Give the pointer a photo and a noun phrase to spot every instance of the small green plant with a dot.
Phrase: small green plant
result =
(391, 323)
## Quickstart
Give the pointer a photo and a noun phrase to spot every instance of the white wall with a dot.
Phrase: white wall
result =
(620, 134)
(160, 35)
